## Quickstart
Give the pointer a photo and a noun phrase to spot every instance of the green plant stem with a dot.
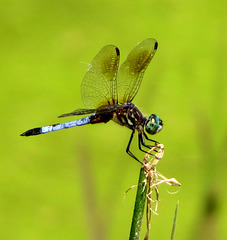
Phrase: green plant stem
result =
(139, 207)
(174, 221)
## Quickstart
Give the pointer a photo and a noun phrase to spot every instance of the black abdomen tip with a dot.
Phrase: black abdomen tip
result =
(34, 131)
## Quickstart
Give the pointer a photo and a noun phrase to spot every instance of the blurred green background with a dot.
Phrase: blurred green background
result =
(70, 184)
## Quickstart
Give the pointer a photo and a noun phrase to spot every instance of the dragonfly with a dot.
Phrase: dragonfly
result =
(107, 92)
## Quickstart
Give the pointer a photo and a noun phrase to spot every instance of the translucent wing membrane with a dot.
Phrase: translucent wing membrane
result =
(132, 70)
(99, 85)
(78, 112)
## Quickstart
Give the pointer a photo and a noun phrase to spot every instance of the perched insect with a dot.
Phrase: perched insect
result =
(107, 93)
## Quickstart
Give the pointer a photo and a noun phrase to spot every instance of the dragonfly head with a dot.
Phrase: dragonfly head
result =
(153, 124)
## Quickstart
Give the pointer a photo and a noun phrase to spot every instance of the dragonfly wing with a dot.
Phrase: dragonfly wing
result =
(132, 70)
(78, 112)
(99, 85)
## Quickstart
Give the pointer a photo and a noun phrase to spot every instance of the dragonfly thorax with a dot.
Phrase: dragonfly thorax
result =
(153, 124)
(129, 115)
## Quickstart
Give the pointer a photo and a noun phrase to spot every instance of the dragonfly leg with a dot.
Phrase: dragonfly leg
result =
(156, 142)
(145, 135)
(128, 148)
(141, 141)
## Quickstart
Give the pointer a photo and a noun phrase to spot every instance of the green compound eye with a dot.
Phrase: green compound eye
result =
(153, 124)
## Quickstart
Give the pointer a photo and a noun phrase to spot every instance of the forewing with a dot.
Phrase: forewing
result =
(132, 70)
(99, 84)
